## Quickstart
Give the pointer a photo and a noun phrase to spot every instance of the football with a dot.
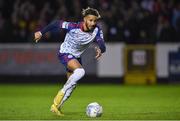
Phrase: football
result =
(94, 110)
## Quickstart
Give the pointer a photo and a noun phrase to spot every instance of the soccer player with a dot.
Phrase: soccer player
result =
(78, 38)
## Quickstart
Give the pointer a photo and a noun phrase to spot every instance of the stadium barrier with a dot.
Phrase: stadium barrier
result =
(37, 59)
(41, 60)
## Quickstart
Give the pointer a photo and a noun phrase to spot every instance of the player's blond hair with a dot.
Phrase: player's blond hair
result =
(90, 11)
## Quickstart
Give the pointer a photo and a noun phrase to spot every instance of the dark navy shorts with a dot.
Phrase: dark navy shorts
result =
(65, 58)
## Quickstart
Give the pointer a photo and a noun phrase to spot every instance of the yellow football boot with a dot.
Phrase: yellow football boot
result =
(56, 105)
(55, 110)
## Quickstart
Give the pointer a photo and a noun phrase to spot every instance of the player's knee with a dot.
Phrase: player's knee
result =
(80, 72)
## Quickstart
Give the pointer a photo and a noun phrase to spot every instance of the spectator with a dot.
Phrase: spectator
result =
(132, 21)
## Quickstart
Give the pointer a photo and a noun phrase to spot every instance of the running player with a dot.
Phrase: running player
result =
(78, 38)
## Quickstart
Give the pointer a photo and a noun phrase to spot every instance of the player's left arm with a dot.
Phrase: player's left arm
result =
(101, 48)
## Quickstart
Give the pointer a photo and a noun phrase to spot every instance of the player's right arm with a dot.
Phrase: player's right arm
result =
(37, 36)
(52, 26)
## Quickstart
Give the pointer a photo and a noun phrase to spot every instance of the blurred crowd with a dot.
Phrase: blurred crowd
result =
(130, 21)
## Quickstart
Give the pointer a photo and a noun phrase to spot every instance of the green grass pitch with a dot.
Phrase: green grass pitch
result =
(32, 102)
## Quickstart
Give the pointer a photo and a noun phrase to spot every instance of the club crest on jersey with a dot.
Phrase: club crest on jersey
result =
(70, 56)
(65, 25)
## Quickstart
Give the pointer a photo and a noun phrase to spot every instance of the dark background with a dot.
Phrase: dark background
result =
(130, 21)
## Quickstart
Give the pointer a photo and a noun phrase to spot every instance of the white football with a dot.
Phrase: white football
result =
(94, 110)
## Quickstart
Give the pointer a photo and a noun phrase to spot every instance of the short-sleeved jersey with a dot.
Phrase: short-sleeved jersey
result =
(76, 40)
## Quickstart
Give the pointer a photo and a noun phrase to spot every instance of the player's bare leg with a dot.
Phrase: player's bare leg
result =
(78, 73)
(68, 74)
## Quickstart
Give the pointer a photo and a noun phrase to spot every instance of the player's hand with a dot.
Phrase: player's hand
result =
(98, 53)
(37, 36)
